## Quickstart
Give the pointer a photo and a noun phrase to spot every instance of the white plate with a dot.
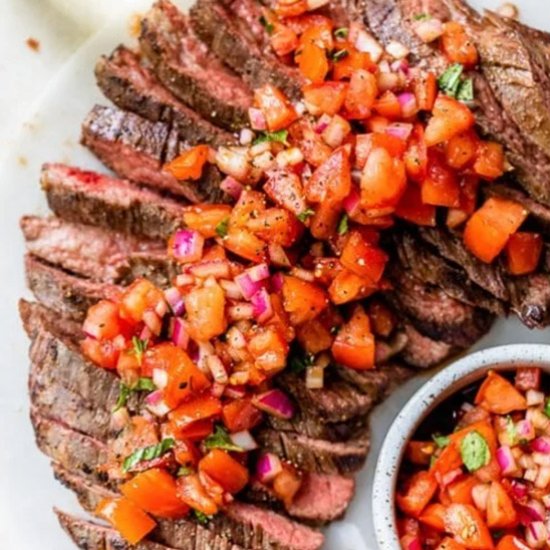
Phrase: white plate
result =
(27, 488)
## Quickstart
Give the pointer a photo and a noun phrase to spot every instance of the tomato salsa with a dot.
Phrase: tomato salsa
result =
(476, 475)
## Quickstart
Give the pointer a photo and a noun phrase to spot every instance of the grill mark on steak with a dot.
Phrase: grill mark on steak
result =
(137, 149)
(186, 68)
(80, 196)
(423, 352)
(235, 41)
(132, 86)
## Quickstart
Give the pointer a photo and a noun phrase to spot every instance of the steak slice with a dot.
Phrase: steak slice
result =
(91, 536)
(137, 149)
(80, 196)
(434, 313)
(423, 352)
(233, 32)
(132, 86)
(190, 71)
(530, 298)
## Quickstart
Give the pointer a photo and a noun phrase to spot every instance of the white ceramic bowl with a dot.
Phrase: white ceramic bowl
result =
(456, 376)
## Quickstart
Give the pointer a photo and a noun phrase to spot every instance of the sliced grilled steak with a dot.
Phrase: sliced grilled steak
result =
(91, 536)
(132, 86)
(423, 352)
(530, 298)
(86, 197)
(234, 34)
(434, 313)
(431, 268)
(137, 149)
(89, 251)
(187, 68)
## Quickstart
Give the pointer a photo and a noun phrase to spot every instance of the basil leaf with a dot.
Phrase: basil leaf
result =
(307, 213)
(441, 440)
(269, 27)
(466, 90)
(449, 82)
(279, 136)
(422, 17)
(123, 395)
(184, 471)
(138, 348)
(343, 225)
(143, 384)
(474, 451)
(547, 408)
(202, 518)
(148, 453)
(222, 228)
(220, 440)
(339, 54)
(342, 32)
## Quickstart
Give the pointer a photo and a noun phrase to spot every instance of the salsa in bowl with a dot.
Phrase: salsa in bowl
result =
(466, 464)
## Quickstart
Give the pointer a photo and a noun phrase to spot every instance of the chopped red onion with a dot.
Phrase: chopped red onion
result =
(536, 535)
(276, 403)
(408, 104)
(232, 187)
(541, 444)
(534, 398)
(261, 303)
(215, 268)
(246, 136)
(315, 377)
(257, 119)
(185, 279)
(244, 440)
(240, 311)
(525, 430)
(451, 476)
(188, 245)
(428, 30)
(268, 467)
(277, 281)
(304, 274)
(400, 130)
(180, 337)
(156, 404)
(146, 333)
(258, 272)
(175, 300)
(480, 494)
(235, 392)
(519, 490)
(231, 289)
(152, 321)
(217, 389)
(235, 338)
(160, 378)
(217, 369)
(119, 419)
(322, 124)
(532, 511)
(247, 285)
(352, 202)
(506, 460)
(364, 42)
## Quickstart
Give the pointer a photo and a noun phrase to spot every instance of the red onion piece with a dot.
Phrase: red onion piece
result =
(235, 392)
(247, 285)
(175, 300)
(155, 403)
(240, 311)
(408, 104)
(232, 187)
(216, 268)
(451, 476)
(541, 444)
(160, 378)
(532, 511)
(276, 403)
(217, 369)
(536, 534)
(188, 245)
(231, 289)
(506, 460)
(519, 490)
(277, 282)
(152, 321)
(277, 255)
(180, 337)
(525, 429)
(261, 302)
(244, 440)
(257, 119)
(400, 130)
(268, 467)
(258, 272)
(351, 202)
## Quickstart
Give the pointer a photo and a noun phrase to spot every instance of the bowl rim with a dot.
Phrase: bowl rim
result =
(446, 382)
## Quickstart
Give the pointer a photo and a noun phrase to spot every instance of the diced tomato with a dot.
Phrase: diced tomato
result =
(250, 203)
(197, 431)
(241, 415)
(383, 180)
(353, 61)
(387, 105)
(489, 163)
(382, 319)
(201, 407)
(460, 491)
(205, 309)
(523, 253)
(461, 150)
(186, 452)
(528, 378)
(314, 336)
(192, 492)
(450, 118)
(225, 470)
(450, 544)
(365, 143)
(354, 345)
(319, 32)
(277, 226)
(377, 124)
(360, 95)
(184, 378)
(246, 245)
(412, 209)
(129, 520)
(269, 348)
(102, 321)
(204, 218)
(416, 155)
(189, 165)
(348, 286)
(285, 189)
(434, 516)
(104, 353)
(362, 258)
(501, 513)
(283, 39)
(332, 180)
(154, 491)
(278, 111)
(457, 46)
(280, 319)
(511, 542)
(325, 98)
(498, 395)
(312, 62)
(449, 460)
(484, 428)
(420, 452)
(302, 23)
(302, 300)
(465, 523)
(440, 188)
(140, 296)
(489, 229)
(313, 147)
(425, 91)
(290, 8)
(286, 484)
(324, 222)
(419, 490)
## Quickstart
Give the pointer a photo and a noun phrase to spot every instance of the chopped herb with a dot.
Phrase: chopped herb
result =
(222, 228)
(184, 471)
(441, 440)
(342, 32)
(432, 460)
(279, 136)
(547, 407)
(307, 213)
(148, 453)
(339, 54)
(422, 16)
(474, 451)
(143, 384)
(466, 90)
(203, 519)
(269, 27)
(450, 80)
(220, 440)
(299, 364)
(511, 430)
(343, 225)
(139, 348)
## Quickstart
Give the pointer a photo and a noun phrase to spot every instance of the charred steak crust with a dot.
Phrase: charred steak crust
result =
(185, 67)
(132, 86)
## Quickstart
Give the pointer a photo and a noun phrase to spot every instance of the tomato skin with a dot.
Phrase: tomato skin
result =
(501, 513)
(361, 95)
(192, 492)
(387, 105)
(362, 258)
(425, 91)
(440, 188)
(204, 218)
(523, 252)
(285, 189)
(499, 396)
(312, 62)
(419, 491)
(102, 321)
(325, 97)
(354, 61)
(450, 118)
(412, 209)
(434, 516)
(189, 165)
(241, 415)
(278, 111)
(332, 180)
(225, 470)
(324, 222)
(302, 300)
(129, 520)
(348, 286)
(489, 163)
(154, 491)
(283, 39)
(465, 523)
(277, 226)
(365, 143)
(104, 353)
(461, 150)
(246, 245)
(200, 408)
(197, 431)
(460, 491)
(206, 312)
(457, 46)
